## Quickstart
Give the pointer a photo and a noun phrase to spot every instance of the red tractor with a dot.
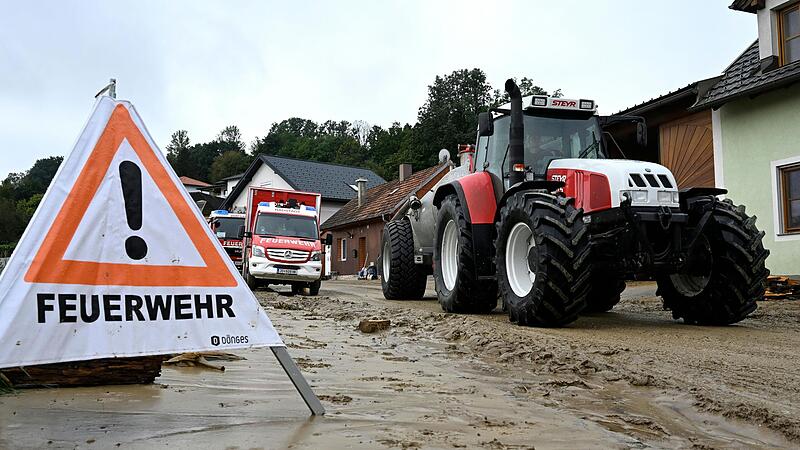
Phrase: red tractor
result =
(540, 215)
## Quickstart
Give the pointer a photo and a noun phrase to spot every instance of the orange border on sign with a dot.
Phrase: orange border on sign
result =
(49, 265)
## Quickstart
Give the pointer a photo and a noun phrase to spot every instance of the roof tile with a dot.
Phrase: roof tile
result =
(745, 77)
(383, 199)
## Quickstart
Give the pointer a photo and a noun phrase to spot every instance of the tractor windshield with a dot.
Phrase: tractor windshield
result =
(546, 138)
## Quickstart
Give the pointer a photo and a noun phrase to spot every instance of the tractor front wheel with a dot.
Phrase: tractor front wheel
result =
(724, 274)
(542, 259)
(454, 272)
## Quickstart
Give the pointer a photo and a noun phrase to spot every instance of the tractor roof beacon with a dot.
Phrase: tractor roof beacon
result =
(540, 215)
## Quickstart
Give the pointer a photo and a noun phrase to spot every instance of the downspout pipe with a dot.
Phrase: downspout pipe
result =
(516, 133)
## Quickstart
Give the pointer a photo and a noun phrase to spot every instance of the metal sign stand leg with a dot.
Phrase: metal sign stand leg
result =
(298, 380)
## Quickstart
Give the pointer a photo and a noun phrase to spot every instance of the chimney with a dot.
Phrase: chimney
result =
(405, 171)
(361, 185)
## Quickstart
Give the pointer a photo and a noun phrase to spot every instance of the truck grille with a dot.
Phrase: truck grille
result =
(281, 254)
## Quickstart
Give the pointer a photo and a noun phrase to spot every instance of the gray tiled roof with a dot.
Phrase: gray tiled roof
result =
(745, 77)
(330, 180)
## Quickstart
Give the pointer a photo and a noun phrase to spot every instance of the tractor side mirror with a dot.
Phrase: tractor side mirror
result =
(327, 240)
(641, 134)
(485, 124)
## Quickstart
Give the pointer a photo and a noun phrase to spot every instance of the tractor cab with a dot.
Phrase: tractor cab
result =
(554, 128)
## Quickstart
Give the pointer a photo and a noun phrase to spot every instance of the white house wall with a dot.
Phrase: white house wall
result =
(264, 177)
(768, 28)
(329, 208)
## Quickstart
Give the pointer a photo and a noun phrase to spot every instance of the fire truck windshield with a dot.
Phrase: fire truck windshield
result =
(286, 225)
(227, 227)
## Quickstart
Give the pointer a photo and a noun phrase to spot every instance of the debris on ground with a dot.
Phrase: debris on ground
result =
(782, 288)
(373, 325)
(202, 359)
(96, 372)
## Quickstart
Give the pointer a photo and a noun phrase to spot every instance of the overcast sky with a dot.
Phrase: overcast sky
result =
(202, 65)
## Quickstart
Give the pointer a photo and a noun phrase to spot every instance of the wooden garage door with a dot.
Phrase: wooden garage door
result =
(687, 149)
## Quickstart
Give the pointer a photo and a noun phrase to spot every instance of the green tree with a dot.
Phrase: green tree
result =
(178, 152)
(38, 178)
(526, 87)
(450, 114)
(27, 207)
(228, 164)
(230, 139)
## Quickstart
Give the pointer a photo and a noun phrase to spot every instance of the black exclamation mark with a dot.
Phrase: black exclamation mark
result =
(131, 177)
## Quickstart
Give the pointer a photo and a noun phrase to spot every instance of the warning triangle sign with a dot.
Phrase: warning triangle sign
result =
(49, 264)
(117, 261)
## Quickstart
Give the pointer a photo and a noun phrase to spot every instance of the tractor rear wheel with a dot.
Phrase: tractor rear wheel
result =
(401, 277)
(725, 273)
(542, 259)
(604, 292)
(457, 285)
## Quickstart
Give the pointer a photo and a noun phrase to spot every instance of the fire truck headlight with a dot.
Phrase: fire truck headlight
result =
(258, 251)
(315, 256)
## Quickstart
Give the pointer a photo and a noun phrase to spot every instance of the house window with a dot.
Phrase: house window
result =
(789, 31)
(790, 198)
(343, 249)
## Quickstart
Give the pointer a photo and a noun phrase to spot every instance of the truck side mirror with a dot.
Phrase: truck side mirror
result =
(641, 134)
(485, 124)
(327, 240)
(241, 232)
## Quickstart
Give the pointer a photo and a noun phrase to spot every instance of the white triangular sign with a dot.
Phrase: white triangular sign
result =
(118, 262)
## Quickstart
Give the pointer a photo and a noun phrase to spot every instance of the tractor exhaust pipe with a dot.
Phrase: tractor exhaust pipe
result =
(516, 132)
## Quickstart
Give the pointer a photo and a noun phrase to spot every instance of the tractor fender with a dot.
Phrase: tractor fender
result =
(475, 193)
(701, 191)
(549, 186)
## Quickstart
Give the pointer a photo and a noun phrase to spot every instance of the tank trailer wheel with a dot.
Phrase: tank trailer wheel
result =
(457, 286)
(401, 277)
(542, 259)
(725, 274)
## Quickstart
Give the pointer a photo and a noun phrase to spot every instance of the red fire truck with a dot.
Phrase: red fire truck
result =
(283, 245)
(227, 227)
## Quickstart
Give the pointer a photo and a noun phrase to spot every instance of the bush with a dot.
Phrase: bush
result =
(7, 249)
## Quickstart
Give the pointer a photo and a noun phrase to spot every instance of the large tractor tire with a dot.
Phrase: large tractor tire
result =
(401, 278)
(725, 273)
(543, 261)
(457, 286)
(604, 292)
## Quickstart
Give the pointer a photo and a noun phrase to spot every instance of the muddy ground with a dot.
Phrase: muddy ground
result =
(630, 378)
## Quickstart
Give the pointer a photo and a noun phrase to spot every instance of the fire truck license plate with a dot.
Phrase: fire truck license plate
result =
(287, 271)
